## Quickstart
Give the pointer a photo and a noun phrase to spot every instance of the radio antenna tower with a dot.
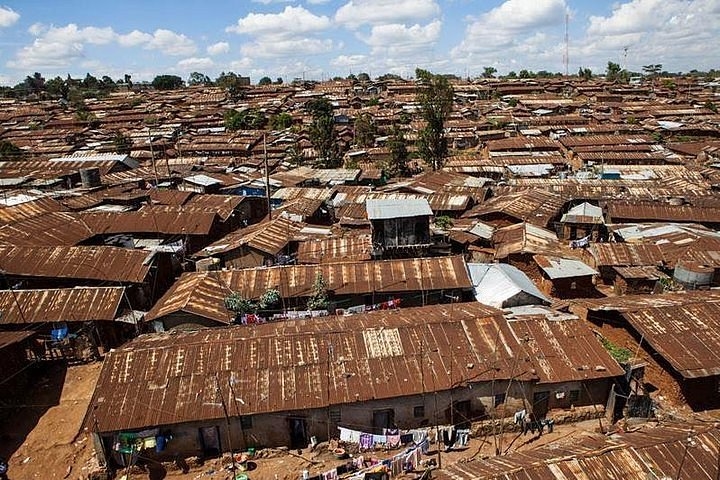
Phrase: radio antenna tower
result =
(566, 55)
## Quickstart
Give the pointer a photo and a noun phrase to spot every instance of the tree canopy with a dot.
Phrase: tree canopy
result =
(435, 97)
(167, 82)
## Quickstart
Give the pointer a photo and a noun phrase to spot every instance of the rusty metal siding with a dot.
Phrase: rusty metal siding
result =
(51, 229)
(660, 452)
(94, 263)
(687, 336)
(203, 293)
(304, 364)
(624, 254)
(66, 304)
(565, 350)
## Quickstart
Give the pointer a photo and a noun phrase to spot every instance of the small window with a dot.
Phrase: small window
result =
(573, 286)
(499, 399)
(574, 395)
(246, 422)
(419, 411)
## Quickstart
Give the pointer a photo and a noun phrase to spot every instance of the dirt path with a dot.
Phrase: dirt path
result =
(42, 432)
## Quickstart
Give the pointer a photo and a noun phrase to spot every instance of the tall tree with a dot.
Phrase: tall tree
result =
(614, 72)
(398, 153)
(365, 130)
(489, 72)
(197, 78)
(652, 70)
(435, 97)
(167, 82)
(265, 81)
(322, 132)
(36, 83)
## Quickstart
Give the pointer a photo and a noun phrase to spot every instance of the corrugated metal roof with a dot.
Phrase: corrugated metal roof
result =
(303, 364)
(93, 263)
(268, 236)
(662, 212)
(564, 350)
(524, 238)
(624, 254)
(583, 213)
(78, 304)
(494, 283)
(162, 219)
(50, 229)
(687, 336)
(335, 249)
(203, 293)
(556, 267)
(384, 208)
(658, 453)
(632, 303)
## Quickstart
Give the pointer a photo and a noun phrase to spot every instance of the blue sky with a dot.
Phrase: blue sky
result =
(324, 38)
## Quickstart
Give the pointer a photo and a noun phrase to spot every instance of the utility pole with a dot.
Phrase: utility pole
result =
(152, 156)
(566, 56)
(227, 421)
(267, 178)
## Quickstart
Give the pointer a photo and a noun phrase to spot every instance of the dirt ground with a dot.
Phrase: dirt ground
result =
(39, 439)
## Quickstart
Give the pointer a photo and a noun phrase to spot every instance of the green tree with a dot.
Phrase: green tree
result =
(107, 83)
(57, 87)
(398, 153)
(652, 70)
(167, 82)
(279, 81)
(252, 118)
(613, 72)
(363, 77)
(90, 82)
(281, 121)
(512, 74)
(265, 81)
(389, 76)
(365, 130)
(489, 72)
(435, 97)
(526, 74)
(585, 73)
(319, 297)
(322, 132)
(35, 84)
(197, 78)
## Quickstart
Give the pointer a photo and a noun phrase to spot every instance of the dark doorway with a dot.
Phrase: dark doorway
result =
(210, 439)
(461, 414)
(541, 402)
(383, 419)
(298, 433)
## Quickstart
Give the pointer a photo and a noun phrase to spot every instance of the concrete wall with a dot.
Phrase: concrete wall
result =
(475, 403)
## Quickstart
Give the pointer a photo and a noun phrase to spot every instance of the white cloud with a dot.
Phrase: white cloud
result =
(44, 54)
(359, 12)
(195, 63)
(349, 60)
(134, 38)
(218, 48)
(317, 2)
(290, 33)
(56, 47)
(676, 33)
(397, 39)
(510, 31)
(171, 43)
(36, 29)
(292, 20)
(291, 47)
(8, 17)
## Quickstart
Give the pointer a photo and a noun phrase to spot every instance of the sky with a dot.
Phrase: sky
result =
(321, 39)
